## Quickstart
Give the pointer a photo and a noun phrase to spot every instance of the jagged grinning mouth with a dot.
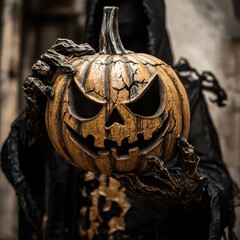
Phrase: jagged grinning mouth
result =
(141, 145)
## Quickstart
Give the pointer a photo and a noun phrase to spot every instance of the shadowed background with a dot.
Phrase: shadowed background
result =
(206, 32)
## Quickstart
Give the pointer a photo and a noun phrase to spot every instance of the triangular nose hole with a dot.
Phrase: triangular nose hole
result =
(114, 117)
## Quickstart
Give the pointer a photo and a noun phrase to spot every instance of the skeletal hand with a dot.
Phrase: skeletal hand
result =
(37, 86)
(169, 186)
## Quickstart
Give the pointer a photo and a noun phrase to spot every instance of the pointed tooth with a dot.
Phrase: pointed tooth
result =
(116, 156)
(132, 139)
(114, 152)
(84, 134)
(99, 142)
(119, 143)
(133, 152)
(147, 136)
(103, 152)
(133, 149)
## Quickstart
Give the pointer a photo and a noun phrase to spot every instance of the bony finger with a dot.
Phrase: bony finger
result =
(157, 166)
(133, 183)
(191, 169)
(155, 163)
(182, 142)
(86, 49)
(63, 41)
(126, 180)
(122, 177)
(40, 68)
(64, 46)
(162, 173)
(117, 176)
(187, 150)
(68, 47)
(49, 92)
(57, 60)
(32, 83)
(80, 50)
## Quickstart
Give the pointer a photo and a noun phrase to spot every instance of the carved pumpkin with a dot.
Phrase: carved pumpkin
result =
(118, 108)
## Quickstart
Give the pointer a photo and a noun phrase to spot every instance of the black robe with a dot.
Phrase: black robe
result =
(65, 199)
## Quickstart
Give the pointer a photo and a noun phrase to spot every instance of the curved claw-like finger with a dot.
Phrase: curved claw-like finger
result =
(191, 159)
(85, 49)
(191, 168)
(129, 182)
(46, 90)
(144, 187)
(38, 77)
(157, 166)
(58, 60)
(41, 69)
(137, 185)
(185, 147)
(68, 47)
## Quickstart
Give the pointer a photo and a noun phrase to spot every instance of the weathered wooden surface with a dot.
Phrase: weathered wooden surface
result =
(25, 38)
(112, 111)
(10, 37)
(207, 34)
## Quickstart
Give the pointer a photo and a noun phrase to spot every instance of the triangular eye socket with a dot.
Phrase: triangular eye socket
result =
(151, 101)
(80, 105)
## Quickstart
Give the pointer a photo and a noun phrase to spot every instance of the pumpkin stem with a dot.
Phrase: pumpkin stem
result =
(109, 39)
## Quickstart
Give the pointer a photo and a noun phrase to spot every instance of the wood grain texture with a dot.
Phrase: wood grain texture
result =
(117, 109)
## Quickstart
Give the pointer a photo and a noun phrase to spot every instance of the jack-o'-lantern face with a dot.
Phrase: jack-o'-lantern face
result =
(115, 111)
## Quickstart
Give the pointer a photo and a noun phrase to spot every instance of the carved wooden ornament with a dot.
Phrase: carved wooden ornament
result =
(118, 108)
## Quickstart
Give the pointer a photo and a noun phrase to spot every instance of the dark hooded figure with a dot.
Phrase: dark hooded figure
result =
(61, 202)
(142, 29)
(141, 25)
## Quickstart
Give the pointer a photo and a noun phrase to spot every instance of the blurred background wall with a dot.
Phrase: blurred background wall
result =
(27, 29)
(206, 32)
(9, 93)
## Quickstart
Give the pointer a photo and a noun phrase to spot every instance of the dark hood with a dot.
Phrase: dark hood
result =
(141, 25)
